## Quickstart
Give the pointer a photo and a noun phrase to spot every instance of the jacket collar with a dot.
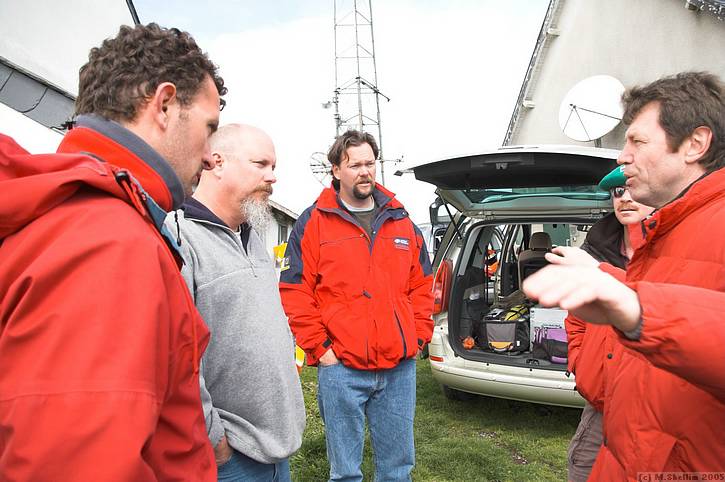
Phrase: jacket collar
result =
(700, 193)
(117, 145)
(604, 241)
(195, 209)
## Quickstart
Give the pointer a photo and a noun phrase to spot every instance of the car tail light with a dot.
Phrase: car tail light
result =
(442, 286)
(438, 359)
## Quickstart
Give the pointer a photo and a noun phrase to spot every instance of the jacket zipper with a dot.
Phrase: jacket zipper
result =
(235, 237)
(351, 219)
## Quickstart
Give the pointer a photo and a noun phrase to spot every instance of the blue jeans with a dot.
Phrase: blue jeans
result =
(241, 468)
(347, 397)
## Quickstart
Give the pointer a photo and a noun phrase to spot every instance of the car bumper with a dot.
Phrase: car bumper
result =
(516, 383)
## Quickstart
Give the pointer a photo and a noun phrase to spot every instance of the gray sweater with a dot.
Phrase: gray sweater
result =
(250, 388)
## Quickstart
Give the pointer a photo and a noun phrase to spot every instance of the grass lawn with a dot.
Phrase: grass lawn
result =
(478, 440)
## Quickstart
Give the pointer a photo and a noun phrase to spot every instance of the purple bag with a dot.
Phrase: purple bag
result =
(551, 344)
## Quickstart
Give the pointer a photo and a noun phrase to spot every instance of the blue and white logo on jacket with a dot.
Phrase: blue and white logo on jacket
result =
(402, 243)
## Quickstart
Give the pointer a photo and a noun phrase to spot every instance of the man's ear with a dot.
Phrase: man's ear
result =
(162, 103)
(335, 171)
(217, 162)
(697, 144)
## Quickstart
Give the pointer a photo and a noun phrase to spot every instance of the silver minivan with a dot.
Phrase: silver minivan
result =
(513, 204)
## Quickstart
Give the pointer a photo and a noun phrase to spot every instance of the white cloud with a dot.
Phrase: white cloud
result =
(452, 72)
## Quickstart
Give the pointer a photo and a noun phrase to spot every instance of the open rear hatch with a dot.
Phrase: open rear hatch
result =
(518, 185)
(520, 179)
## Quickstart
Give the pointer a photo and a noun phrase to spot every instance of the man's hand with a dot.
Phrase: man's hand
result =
(329, 358)
(222, 452)
(568, 255)
(587, 292)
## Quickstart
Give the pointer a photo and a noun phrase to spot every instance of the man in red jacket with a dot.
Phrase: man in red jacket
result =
(664, 406)
(592, 347)
(357, 291)
(99, 339)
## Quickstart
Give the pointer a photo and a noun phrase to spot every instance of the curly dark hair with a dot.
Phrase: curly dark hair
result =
(687, 100)
(351, 138)
(124, 72)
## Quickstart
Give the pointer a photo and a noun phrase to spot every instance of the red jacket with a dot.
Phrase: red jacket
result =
(591, 355)
(594, 351)
(370, 300)
(665, 401)
(592, 348)
(99, 339)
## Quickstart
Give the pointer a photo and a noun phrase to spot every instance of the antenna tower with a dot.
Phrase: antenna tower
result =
(357, 98)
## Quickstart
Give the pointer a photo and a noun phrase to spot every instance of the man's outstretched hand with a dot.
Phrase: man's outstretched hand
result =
(586, 291)
(570, 256)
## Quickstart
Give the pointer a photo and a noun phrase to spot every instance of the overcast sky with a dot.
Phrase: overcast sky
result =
(452, 70)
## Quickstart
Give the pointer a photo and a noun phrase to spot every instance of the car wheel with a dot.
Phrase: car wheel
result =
(456, 395)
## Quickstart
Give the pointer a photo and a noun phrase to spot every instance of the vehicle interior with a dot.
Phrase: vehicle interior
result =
(489, 318)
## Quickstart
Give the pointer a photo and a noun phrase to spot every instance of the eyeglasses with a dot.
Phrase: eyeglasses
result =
(618, 191)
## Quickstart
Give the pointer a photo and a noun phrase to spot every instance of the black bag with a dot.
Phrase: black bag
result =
(505, 330)
(471, 314)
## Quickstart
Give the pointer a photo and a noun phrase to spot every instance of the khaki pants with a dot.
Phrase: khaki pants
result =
(584, 447)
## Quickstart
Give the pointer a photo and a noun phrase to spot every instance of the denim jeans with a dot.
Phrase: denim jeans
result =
(241, 468)
(347, 397)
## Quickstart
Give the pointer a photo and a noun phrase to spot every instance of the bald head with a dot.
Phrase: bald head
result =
(243, 160)
(231, 138)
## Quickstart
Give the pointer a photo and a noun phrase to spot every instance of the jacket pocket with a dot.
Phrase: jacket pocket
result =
(346, 327)
(396, 252)
(405, 321)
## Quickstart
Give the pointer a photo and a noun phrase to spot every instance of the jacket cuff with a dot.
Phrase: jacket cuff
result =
(318, 351)
(217, 430)
(423, 337)
(618, 273)
(636, 332)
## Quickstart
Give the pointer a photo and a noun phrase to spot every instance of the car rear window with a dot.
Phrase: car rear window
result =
(477, 196)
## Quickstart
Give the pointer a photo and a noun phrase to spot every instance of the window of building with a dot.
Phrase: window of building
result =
(282, 233)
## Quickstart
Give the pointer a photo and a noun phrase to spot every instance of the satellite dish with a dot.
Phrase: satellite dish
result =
(592, 108)
(321, 167)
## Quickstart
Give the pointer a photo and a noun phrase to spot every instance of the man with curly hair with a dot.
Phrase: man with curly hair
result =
(99, 339)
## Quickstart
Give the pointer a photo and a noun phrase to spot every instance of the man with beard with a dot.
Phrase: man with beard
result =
(357, 290)
(251, 392)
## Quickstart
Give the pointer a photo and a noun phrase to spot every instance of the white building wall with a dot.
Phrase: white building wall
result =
(31, 135)
(635, 41)
(52, 38)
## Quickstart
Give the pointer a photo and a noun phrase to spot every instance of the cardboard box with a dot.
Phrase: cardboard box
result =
(545, 317)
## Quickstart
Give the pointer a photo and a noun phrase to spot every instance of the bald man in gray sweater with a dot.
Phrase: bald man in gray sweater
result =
(250, 388)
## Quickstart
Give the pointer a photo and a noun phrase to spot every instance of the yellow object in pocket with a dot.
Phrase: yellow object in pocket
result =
(299, 358)
(279, 260)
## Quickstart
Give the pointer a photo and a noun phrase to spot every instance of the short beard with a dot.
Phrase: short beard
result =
(256, 213)
(360, 195)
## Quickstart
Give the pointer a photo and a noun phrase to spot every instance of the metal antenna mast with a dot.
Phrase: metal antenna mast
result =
(357, 98)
